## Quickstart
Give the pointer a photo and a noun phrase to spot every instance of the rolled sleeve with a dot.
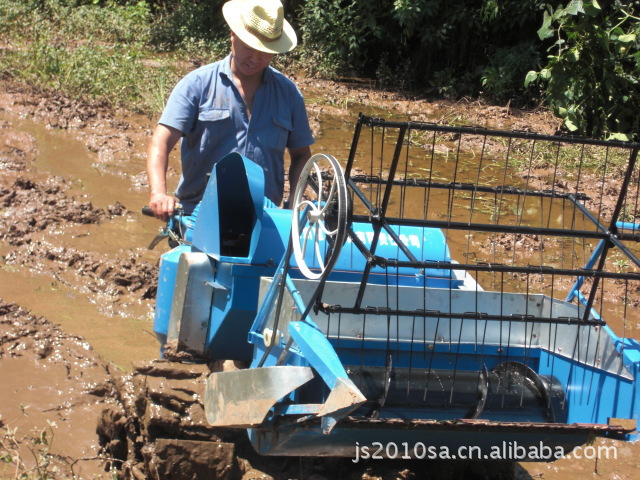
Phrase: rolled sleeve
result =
(181, 111)
(301, 132)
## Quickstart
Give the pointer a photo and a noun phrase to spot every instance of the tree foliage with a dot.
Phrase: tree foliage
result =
(454, 47)
(591, 77)
(581, 56)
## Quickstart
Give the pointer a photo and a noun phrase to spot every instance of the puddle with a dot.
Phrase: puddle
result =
(118, 339)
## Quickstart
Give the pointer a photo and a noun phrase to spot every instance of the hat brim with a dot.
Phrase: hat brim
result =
(287, 41)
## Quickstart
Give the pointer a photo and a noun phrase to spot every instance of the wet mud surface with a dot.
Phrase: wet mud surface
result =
(77, 356)
(53, 386)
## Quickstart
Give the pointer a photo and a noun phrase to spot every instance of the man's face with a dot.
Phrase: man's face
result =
(248, 61)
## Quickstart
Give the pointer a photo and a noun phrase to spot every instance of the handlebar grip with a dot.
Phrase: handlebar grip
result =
(146, 210)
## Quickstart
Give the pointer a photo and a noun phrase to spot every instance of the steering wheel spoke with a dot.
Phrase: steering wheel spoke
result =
(319, 223)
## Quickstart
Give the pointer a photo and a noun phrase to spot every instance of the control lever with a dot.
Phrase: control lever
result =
(168, 231)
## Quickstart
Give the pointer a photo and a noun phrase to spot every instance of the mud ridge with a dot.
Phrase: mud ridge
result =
(90, 272)
(29, 207)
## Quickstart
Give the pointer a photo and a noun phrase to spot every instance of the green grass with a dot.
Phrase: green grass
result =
(92, 52)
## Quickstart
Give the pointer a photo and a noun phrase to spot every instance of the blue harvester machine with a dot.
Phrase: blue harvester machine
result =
(445, 287)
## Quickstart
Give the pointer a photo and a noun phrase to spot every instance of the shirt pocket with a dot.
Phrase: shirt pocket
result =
(214, 123)
(281, 130)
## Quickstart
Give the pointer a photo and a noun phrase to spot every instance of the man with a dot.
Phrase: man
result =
(239, 104)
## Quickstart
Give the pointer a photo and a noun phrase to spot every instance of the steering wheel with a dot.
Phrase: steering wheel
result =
(320, 212)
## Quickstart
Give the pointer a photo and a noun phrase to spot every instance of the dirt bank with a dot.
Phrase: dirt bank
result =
(75, 237)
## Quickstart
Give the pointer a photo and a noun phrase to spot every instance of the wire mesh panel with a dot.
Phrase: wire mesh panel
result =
(505, 310)
(524, 212)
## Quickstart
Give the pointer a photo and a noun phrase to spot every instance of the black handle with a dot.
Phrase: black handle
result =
(146, 210)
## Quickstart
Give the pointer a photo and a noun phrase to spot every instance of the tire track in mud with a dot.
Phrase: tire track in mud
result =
(36, 357)
(35, 212)
(30, 207)
(52, 383)
(31, 210)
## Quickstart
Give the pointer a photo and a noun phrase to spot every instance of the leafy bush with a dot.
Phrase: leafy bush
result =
(339, 37)
(455, 47)
(502, 77)
(195, 28)
(592, 74)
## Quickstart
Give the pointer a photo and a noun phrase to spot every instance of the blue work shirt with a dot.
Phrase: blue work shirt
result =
(208, 109)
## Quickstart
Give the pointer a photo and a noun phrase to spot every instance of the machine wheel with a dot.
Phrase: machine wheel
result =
(320, 212)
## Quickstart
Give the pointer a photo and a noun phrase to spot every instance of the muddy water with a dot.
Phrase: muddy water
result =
(127, 335)
(123, 334)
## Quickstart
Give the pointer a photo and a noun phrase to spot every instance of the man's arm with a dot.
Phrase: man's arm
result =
(164, 139)
(299, 157)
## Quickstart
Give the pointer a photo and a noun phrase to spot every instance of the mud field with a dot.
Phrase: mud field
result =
(77, 287)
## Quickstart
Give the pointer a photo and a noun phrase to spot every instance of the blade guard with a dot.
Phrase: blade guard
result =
(243, 398)
(344, 397)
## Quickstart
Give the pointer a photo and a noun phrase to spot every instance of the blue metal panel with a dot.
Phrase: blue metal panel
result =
(274, 236)
(229, 219)
(318, 351)
(233, 311)
(584, 386)
(424, 244)
(631, 358)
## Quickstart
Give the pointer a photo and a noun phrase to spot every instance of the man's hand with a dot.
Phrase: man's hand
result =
(162, 205)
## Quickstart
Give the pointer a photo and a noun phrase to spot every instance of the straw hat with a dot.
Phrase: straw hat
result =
(260, 24)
